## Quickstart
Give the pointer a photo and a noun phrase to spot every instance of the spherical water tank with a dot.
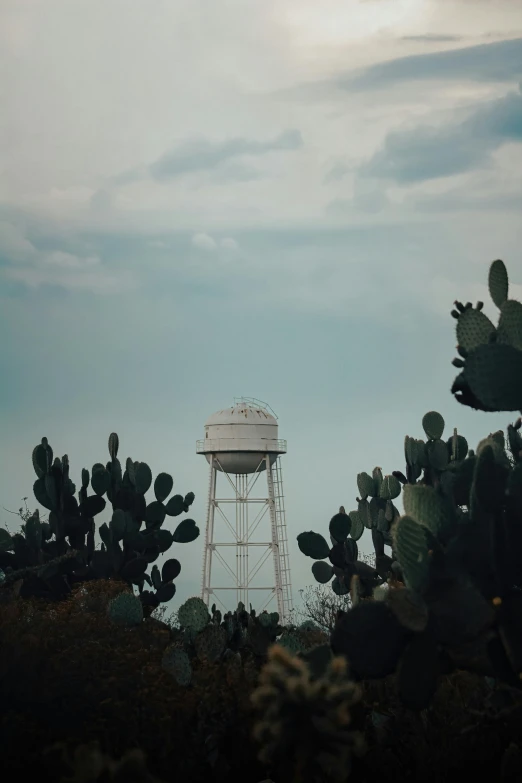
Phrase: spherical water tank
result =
(239, 437)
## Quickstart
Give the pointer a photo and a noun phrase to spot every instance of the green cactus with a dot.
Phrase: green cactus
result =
(193, 614)
(498, 282)
(126, 609)
(411, 546)
(366, 485)
(340, 526)
(433, 425)
(474, 329)
(313, 545)
(177, 663)
(458, 546)
(491, 362)
(390, 488)
(322, 571)
(428, 507)
(357, 528)
(127, 548)
(210, 642)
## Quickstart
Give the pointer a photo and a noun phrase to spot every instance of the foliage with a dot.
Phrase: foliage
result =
(305, 726)
(490, 357)
(87, 764)
(69, 674)
(233, 638)
(456, 595)
(50, 557)
(343, 554)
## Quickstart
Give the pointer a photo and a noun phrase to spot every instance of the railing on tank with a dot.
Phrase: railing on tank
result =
(211, 445)
(253, 402)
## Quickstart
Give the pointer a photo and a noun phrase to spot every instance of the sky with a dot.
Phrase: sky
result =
(279, 199)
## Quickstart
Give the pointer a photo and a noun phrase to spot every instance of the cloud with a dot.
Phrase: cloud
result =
(158, 243)
(101, 201)
(499, 61)
(201, 155)
(229, 244)
(429, 152)
(204, 242)
(462, 200)
(337, 172)
(23, 262)
(432, 38)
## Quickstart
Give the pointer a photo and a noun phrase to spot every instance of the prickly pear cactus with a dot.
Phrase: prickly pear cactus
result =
(126, 609)
(177, 663)
(131, 540)
(210, 643)
(193, 614)
(490, 357)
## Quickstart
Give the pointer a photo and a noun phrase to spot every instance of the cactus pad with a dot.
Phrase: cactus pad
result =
(494, 375)
(322, 571)
(357, 525)
(509, 328)
(126, 609)
(474, 329)
(411, 546)
(177, 663)
(409, 609)
(313, 545)
(433, 425)
(365, 485)
(498, 282)
(390, 488)
(427, 507)
(193, 614)
(340, 526)
(210, 643)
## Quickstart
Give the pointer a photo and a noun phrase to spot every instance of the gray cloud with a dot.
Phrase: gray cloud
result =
(337, 172)
(23, 262)
(426, 152)
(464, 201)
(222, 158)
(432, 38)
(498, 61)
(202, 155)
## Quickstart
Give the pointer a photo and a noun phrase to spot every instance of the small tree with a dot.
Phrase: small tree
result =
(321, 604)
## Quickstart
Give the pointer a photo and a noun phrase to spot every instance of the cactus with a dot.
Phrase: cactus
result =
(126, 609)
(177, 663)
(127, 548)
(210, 643)
(304, 725)
(193, 614)
(490, 358)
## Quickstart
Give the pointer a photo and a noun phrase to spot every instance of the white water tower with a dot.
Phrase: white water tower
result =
(245, 530)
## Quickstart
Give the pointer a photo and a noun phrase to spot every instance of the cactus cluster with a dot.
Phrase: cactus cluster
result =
(305, 725)
(231, 637)
(456, 597)
(343, 552)
(62, 551)
(490, 358)
(126, 609)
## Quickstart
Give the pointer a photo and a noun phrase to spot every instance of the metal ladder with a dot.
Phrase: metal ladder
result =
(282, 540)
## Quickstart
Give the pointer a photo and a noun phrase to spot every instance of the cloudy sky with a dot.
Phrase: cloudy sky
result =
(201, 199)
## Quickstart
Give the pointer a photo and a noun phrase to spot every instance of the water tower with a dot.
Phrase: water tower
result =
(245, 530)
